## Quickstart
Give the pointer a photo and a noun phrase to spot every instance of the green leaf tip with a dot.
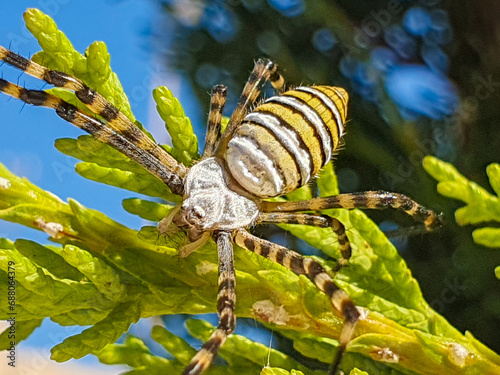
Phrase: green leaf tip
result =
(358, 372)
(176, 346)
(135, 353)
(489, 237)
(104, 80)
(279, 371)
(93, 68)
(493, 172)
(184, 141)
(481, 206)
(95, 338)
(58, 52)
(148, 210)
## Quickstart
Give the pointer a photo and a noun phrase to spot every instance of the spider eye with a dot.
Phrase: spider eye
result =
(196, 213)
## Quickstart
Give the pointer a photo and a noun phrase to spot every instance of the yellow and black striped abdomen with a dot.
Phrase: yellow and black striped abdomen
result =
(286, 140)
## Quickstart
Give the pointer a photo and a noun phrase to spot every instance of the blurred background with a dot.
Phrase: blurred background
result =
(424, 78)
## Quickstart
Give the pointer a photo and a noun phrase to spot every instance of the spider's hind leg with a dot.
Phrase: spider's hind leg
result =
(321, 221)
(316, 273)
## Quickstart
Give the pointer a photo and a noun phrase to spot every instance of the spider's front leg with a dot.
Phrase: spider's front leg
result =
(226, 300)
(99, 129)
(300, 265)
(115, 128)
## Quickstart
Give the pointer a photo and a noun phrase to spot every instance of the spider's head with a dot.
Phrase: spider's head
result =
(191, 219)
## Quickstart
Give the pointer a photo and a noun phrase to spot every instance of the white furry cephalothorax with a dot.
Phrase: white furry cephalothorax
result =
(209, 204)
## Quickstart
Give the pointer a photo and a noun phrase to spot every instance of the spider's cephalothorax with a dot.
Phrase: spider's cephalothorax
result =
(209, 202)
(278, 147)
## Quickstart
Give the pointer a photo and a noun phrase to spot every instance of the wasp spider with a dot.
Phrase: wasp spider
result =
(278, 147)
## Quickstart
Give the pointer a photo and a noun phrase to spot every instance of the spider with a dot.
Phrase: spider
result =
(274, 149)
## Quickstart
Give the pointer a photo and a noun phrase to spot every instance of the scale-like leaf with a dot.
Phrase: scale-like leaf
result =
(239, 351)
(99, 335)
(147, 210)
(481, 206)
(21, 331)
(126, 180)
(184, 141)
(59, 54)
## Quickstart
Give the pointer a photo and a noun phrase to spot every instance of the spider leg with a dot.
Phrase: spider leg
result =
(98, 129)
(226, 300)
(300, 265)
(364, 200)
(321, 221)
(263, 71)
(217, 102)
(96, 103)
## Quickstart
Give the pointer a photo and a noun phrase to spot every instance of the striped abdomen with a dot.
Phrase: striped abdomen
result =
(286, 140)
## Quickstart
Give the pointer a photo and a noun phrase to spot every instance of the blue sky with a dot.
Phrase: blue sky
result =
(27, 133)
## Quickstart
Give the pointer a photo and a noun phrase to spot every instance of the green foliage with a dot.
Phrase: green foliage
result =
(241, 352)
(93, 67)
(358, 372)
(184, 141)
(242, 355)
(105, 275)
(83, 282)
(134, 353)
(105, 164)
(152, 211)
(481, 206)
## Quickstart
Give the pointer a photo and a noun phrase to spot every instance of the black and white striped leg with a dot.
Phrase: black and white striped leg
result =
(97, 104)
(97, 128)
(321, 221)
(226, 300)
(377, 200)
(263, 71)
(316, 273)
(217, 102)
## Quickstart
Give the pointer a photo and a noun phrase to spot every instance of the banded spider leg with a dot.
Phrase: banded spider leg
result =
(287, 212)
(117, 130)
